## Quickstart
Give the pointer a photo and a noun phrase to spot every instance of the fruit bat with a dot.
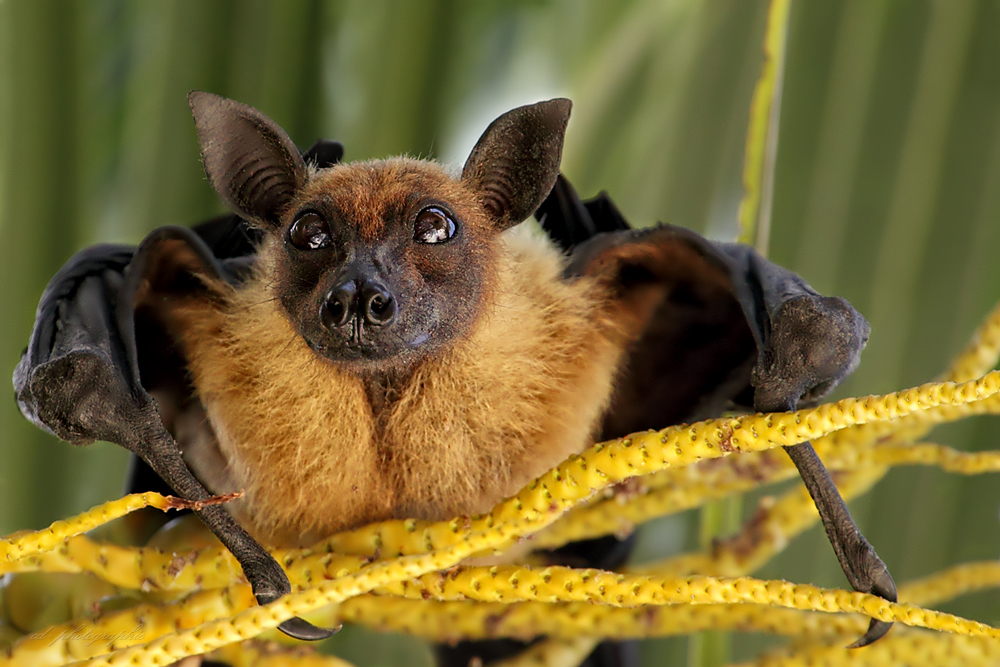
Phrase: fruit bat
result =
(382, 339)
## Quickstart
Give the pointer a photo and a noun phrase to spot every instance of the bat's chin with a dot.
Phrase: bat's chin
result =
(373, 353)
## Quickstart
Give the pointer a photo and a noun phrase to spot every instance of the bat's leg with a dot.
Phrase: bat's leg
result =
(266, 577)
(864, 569)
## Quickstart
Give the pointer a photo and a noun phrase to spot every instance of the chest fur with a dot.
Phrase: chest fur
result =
(301, 437)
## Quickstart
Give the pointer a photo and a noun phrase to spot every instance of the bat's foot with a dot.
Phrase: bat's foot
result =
(877, 581)
(863, 568)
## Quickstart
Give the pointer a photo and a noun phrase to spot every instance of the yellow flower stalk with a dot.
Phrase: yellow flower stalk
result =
(80, 640)
(148, 570)
(952, 582)
(512, 584)
(620, 514)
(980, 354)
(451, 621)
(446, 621)
(29, 543)
(901, 649)
(767, 533)
(137, 568)
(250, 623)
(667, 492)
(257, 654)
(552, 653)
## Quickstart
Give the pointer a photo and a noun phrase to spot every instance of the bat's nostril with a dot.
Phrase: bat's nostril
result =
(339, 307)
(379, 308)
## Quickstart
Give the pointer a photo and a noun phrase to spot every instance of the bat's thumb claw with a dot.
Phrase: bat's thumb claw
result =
(298, 628)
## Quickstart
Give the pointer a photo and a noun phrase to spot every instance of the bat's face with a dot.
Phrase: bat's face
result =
(379, 263)
(383, 262)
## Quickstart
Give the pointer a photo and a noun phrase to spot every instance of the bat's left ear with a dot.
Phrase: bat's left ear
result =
(250, 161)
(516, 161)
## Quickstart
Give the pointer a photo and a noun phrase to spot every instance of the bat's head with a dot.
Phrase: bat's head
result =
(377, 263)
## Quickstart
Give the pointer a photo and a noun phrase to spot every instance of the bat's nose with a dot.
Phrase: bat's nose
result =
(364, 298)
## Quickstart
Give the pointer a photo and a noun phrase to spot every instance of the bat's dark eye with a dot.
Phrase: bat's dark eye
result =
(309, 232)
(433, 225)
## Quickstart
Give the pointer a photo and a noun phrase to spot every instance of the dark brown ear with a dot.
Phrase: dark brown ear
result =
(516, 161)
(250, 161)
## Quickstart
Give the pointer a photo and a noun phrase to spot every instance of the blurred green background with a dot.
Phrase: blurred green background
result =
(887, 185)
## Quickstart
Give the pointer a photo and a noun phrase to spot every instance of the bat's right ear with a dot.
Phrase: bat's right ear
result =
(250, 161)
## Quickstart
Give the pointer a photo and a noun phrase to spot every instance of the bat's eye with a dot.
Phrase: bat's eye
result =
(309, 232)
(433, 225)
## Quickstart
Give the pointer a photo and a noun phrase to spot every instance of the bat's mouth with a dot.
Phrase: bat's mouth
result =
(365, 350)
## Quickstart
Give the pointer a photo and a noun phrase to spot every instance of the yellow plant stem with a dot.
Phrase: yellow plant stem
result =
(79, 640)
(945, 458)
(667, 492)
(447, 621)
(148, 570)
(762, 131)
(453, 621)
(552, 653)
(621, 513)
(768, 532)
(564, 584)
(29, 543)
(258, 654)
(470, 620)
(252, 622)
(980, 354)
(899, 649)
(951, 583)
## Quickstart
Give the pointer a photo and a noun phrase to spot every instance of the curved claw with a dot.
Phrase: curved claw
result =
(298, 628)
(883, 586)
(876, 630)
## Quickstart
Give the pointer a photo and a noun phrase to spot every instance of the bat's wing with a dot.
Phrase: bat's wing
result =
(98, 350)
(570, 221)
(712, 326)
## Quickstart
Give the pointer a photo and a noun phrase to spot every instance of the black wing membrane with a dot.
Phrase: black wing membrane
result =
(716, 326)
(569, 221)
(98, 349)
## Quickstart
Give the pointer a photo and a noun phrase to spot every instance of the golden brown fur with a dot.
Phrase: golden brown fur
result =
(517, 395)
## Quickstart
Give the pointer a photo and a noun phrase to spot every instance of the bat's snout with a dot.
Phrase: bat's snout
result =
(365, 300)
